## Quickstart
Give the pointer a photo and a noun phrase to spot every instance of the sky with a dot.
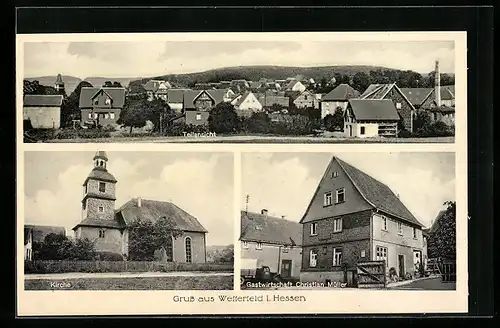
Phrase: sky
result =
(153, 58)
(284, 183)
(200, 183)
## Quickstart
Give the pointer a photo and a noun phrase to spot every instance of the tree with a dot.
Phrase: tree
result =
(225, 255)
(145, 237)
(442, 241)
(133, 114)
(70, 109)
(51, 248)
(223, 119)
(83, 249)
(259, 122)
(361, 81)
(334, 122)
(109, 84)
(422, 123)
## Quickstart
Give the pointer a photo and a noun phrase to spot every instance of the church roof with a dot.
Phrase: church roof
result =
(152, 210)
(100, 154)
(101, 223)
(100, 173)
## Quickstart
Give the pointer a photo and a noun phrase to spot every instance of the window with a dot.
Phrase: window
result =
(95, 115)
(340, 196)
(337, 256)
(198, 117)
(305, 97)
(96, 102)
(335, 174)
(285, 249)
(337, 225)
(314, 228)
(245, 245)
(258, 246)
(90, 116)
(382, 254)
(112, 116)
(106, 116)
(100, 209)
(107, 101)
(327, 199)
(101, 233)
(384, 223)
(102, 185)
(85, 188)
(362, 130)
(400, 228)
(313, 258)
(398, 105)
(414, 233)
(325, 250)
(187, 244)
(84, 205)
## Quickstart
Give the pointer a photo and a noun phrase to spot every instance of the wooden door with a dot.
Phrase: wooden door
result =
(286, 268)
(401, 265)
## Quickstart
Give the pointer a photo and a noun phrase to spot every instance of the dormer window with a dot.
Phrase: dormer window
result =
(335, 174)
(107, 101)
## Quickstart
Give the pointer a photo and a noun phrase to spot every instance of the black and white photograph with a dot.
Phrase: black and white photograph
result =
(233, 90)
(348, 220)
(128, 220)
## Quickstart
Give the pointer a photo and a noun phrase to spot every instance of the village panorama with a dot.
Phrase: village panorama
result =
(338, 104)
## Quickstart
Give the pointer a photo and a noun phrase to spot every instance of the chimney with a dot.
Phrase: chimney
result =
(139, 201)
(263, 212)
(437, 85)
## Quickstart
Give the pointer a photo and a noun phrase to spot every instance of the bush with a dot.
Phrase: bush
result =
(257, 123)
(34, 267)
(440, 129)
(405, 134)
(83, 134)
(109, 256)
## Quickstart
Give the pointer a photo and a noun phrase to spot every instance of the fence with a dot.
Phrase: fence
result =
(371, 274)
(120, 266)
(448, 271)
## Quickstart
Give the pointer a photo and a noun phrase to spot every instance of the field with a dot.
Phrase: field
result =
(258, 139)
(211, 282)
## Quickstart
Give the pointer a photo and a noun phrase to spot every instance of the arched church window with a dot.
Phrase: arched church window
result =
(187, 243)
(101, 233)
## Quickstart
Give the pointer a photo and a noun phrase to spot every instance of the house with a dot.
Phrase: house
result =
(198, 104)
(36, 234)
(241, 84)
(295, 85)
(268, 99)
(304, 99)
(403, 105)
(371, 118)
(273, 242)
(175, 99)
(43, 111)
(246, 104)
(426, 97)
(338, 97)
(156, 88)
(109, 227)
(351, 218)
(102, 105)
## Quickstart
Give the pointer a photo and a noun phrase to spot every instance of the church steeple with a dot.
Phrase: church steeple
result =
(59, 85)
(99, 191)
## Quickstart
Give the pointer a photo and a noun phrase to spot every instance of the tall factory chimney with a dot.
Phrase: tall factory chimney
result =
(437, 85)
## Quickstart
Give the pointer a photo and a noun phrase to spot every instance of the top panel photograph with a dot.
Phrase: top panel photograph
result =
(239, 88)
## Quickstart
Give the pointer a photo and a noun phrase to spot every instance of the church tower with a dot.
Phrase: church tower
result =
(99, 188)
(59, 85)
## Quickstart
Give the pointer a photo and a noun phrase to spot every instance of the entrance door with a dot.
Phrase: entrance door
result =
(350, 130)
(286, 268)
(401, 265)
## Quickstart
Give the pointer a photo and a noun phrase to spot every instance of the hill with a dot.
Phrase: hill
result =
(254, 73)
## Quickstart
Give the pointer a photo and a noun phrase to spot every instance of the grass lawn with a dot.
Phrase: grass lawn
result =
(145, 283)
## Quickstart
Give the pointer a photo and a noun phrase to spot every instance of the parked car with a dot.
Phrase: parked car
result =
(250, 272)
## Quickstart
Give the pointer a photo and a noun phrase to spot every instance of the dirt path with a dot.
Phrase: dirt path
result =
(80, 275)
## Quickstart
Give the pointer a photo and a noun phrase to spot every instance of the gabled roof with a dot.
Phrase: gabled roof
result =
(448, 92)
(152, 210)
(39, 231)
(342, 92)
(241, 99)
(269, 229)
(268, 100)
(416, 95)
(42, 100)
(116, 94)
(117, 223)
(294, 94)
(378, 194)
(292, 83)
(373, 110)
(435, 223)
(190, 96)
(175, 96)
(379, 91)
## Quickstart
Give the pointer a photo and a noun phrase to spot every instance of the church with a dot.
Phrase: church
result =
(109, 227)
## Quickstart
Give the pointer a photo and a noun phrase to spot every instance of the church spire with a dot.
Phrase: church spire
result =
(100, 159)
